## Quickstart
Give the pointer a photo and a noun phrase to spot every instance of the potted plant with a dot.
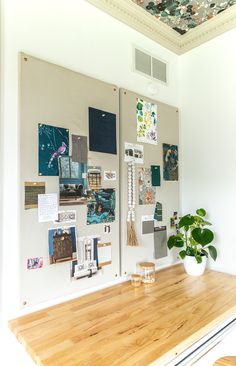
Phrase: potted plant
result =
(195, 239)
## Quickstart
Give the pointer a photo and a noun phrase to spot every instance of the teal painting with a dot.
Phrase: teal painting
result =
(52, 143)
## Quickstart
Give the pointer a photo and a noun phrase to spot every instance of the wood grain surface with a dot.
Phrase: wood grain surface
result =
(127, 326)
(226, 361)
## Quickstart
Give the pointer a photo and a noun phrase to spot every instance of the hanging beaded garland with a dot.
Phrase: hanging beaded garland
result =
(131, 238)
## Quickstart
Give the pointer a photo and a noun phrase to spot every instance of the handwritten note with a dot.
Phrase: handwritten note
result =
(47, 207)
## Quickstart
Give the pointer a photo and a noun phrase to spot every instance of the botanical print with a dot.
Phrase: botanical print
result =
(146, 114)
(101, 206)
(170, 162)
(62, 244)
(147, 193)
(53, 142)
(34, 263)
(186, 14)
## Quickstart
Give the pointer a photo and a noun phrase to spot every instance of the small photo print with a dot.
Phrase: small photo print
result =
(94, 177)
(134, 152)
(109, 175)
(34, 263)
(62, 244)
(66, 216)
(170, 162)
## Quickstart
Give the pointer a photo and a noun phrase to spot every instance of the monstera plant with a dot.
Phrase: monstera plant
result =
(194, 241)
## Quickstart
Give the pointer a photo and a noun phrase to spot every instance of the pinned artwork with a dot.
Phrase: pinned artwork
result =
(109, 175)
(94, 177)
(62, 244)
(66, 216)
(53, 142)
(86, 264)
(170, 162)
(160, 242)
(174, 221)
(104, 254)
(101, 206)
(156, 175)
(158, 212)
(34, 263)
(134, 153)
(146, 192)
(73, 182)
(79, 149)
(146, 114)
(47, 207)
(102, 131)
(32, 190)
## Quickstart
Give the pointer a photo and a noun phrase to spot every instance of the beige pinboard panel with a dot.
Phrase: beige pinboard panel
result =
(167, 193)
(57, 96)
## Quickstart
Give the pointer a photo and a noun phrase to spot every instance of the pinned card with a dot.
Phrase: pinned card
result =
(79, 149)
(156, 176)
(160, 242)
(102, 131)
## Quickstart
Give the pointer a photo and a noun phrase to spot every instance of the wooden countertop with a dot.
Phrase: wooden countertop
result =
(127, 326)
(226, 361)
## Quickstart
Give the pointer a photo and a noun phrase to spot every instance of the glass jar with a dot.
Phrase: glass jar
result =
(136, 280)
(147, 270)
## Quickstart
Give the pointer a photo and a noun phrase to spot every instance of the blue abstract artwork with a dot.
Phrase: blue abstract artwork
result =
(52, 143)
(101, 206)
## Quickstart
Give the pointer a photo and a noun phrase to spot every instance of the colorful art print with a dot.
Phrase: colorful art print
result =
(146, 114)
(170, 162)
(66, 216)
(53, 142)
(147, 193)
(134, 153)
(94, 177)
(34, 263)
(62, 244)
(32, 190)
(101, 206)
(109, 175)
(158, 212)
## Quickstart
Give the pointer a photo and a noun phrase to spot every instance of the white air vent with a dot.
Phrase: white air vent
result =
(150, 66)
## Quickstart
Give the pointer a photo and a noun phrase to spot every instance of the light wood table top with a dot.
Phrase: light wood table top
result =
(127, 326)
(226, 361)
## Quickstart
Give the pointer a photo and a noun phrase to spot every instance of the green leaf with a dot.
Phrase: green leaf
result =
(202, 236)
(206, 223)
(190, 251)
(203, 251)
(201, 212)
(175, 241)
(139, 106)
(186, 220)
(213, 252)
(186, 228)
(182, 254)
(198, 258)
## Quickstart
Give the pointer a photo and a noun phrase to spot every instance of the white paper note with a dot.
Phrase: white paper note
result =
(47, 207)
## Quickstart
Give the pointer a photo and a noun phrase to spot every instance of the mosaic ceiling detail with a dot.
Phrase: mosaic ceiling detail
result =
(183, 15)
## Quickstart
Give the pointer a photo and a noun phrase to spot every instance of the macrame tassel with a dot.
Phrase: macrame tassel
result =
(131, 235)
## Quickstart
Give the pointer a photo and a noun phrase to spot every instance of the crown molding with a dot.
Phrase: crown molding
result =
(136, 17)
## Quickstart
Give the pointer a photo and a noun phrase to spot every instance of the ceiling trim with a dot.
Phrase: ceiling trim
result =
(136, 17)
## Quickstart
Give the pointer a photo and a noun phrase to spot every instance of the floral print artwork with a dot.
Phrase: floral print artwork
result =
(146, 114)
(183, 15)
(147, 193)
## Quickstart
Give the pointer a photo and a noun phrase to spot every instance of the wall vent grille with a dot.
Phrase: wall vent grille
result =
(150, 66)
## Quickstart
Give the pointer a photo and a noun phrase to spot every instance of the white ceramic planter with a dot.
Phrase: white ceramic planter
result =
(192, 267)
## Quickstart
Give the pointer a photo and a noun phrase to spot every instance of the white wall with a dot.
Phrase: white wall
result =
(208, 134)
(78, 36)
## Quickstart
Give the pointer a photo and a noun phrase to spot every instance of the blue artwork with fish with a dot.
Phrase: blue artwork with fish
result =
(53, 143)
